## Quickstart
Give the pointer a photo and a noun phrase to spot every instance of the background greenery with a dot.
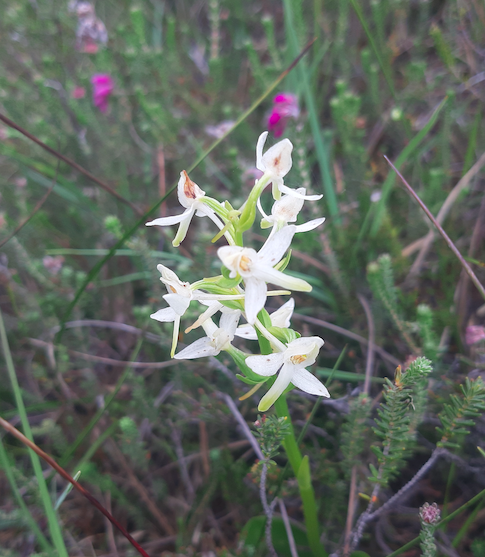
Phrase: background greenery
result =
(158, 445)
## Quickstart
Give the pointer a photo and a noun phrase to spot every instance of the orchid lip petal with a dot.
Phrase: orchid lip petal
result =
(277, 389)
(256, 293)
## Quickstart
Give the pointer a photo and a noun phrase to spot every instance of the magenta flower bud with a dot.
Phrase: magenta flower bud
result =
(285, 106)
(102, 88)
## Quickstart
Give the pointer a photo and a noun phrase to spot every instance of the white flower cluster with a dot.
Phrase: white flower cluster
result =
(242, 289)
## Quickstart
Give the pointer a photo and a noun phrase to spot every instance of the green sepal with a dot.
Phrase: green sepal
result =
(233, 304)
(248, 381)
(265, 319)
(264, 343)
(285, 335)
(239, 358)
(248, 210)
(281, 266)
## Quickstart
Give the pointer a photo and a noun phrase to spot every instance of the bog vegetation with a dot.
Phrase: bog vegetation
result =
(102, 106)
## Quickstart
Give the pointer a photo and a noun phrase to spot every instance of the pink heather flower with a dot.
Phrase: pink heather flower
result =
(78, 92)
(102, 89)
(430, 514)
(285, 106)
(474, 334)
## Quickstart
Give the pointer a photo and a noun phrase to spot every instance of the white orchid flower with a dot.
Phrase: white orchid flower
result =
(291, 364)
(275, 163)
(191, 197)
(279, 318)
(217, 339)
(179, 296)
(286, 209)
(256, 268)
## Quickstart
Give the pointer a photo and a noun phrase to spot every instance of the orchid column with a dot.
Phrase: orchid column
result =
(241, 291)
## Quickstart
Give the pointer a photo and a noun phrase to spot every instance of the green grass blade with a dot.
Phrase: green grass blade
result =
(401, 159)
(321, 150)
(54, 527)
(380, 61)
(5, 465)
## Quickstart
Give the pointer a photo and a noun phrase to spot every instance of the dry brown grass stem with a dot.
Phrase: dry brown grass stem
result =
(424, 243)
(447, 239)
(37, 450)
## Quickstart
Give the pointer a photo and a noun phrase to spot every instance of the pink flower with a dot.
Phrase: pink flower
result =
(102, 89)
(474, 334)
(285, 106)
(78, 92)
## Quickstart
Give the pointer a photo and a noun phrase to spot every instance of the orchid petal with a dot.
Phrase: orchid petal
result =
(277, 158)
(246, 331)
(166, 315)
(310, 225)
(258, 203)
(255, 298)
(308, 383)
(276, 246)
(265, 365)
(183, 227)
(178, 303)
(209, 327)
(259, 151)
(277, 389)
(295, 193)
(229, 321)
(169, 221)
(281, 317)
(268, 274)
(188, 192)
(198, 349)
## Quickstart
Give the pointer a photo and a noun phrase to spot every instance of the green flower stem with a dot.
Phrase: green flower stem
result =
(301, 470)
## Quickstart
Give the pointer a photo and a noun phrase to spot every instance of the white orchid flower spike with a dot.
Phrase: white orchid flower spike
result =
(217, 339)
(279, 318)
(256, 268)
(191, 197)
(286, 210)
(275, 163)
(299, 354)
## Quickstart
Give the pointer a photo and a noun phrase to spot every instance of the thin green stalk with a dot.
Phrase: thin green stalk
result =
(54, 527)
(301, 469)
(466, 526)
(5, 464)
